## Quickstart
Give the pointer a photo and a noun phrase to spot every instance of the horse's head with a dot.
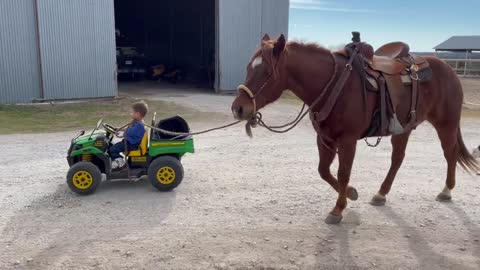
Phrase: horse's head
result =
(265, 80)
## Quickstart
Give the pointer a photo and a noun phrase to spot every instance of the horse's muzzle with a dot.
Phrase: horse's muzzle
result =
(237, 112)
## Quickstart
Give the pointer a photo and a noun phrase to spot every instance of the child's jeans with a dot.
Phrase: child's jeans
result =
(118, 148)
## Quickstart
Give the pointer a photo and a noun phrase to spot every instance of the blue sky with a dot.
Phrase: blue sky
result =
(422, 24)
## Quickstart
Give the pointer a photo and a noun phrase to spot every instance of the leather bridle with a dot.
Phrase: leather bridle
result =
(325, 110)
(329, 98)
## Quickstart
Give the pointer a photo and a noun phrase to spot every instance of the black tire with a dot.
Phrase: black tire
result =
(165, 173)
(84, 177)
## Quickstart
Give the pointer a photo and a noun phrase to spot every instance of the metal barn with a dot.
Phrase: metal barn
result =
(57, 50)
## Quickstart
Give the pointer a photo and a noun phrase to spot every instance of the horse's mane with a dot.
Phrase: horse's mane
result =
(309, 46)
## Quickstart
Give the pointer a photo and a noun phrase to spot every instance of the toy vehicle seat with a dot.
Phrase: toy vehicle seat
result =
(143, 149)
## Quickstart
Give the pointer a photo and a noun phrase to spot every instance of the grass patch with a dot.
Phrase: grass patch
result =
(75, 116)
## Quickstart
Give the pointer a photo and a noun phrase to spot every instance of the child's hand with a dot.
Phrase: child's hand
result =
(120, 133)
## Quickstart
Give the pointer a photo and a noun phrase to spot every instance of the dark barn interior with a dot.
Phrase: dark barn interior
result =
(178, 35)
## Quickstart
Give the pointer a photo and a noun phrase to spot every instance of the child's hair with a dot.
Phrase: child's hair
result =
(140, 107)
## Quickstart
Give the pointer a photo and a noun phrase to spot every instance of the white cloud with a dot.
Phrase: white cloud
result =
(324, 6)
(310, 3)
(313, 2)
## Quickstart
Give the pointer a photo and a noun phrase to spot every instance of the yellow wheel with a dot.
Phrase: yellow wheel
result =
(165, 173)
(82, 180)
(84, 177)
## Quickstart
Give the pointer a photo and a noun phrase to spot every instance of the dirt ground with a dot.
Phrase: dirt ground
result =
(471, 89)
(244, 204)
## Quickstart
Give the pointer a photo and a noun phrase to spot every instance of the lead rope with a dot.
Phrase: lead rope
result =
(181, 134)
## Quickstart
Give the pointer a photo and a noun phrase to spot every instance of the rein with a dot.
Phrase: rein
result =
(257, 118)
(180, 134)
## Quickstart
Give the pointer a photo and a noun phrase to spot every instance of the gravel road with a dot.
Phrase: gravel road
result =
(244, 204)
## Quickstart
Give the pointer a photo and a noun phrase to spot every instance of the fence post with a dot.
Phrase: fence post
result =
(466, 63)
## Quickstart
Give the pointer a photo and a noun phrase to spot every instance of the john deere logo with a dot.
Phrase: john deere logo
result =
(139, 159)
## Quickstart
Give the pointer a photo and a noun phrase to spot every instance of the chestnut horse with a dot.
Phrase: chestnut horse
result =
(306, 69)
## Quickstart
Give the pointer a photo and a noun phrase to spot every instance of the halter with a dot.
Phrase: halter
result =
(251, 95)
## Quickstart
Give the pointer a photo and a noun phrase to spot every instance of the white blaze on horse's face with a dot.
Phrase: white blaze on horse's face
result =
(256, 62)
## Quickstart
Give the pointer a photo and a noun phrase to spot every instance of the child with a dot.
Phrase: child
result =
(133, 135)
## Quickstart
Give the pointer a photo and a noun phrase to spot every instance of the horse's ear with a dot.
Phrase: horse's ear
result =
(266, 37)
(279, 46)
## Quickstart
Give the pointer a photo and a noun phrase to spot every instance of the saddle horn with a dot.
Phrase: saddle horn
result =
(356, 36)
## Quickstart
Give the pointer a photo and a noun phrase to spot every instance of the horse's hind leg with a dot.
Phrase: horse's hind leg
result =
(327, 155)
(399, 144)
(448, 138)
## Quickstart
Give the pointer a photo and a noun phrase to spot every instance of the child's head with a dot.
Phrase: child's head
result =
(139, 110)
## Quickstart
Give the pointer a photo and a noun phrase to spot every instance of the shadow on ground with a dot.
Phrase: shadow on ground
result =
(65, 223)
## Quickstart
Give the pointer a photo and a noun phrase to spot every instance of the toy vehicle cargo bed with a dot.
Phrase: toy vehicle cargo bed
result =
(174, 124)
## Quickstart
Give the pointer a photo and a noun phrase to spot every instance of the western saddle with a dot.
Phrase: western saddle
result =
(390, 70)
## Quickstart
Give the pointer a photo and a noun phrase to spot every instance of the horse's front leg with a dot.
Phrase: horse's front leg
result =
(346, 154)
(327, 153)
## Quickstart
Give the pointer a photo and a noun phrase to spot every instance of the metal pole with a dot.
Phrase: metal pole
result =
(202, 62)
(39, 47)
(171, 33)
(217, 47)
(466, 63)
(146, 48)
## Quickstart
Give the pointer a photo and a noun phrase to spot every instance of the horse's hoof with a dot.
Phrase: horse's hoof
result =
(352, 193)
(444, 197)
(333, 219)
(378, 200)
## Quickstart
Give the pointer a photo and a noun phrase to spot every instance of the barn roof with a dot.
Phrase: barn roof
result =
(460, 43)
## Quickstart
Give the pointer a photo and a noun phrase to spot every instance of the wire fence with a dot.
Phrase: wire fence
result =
(464, 67)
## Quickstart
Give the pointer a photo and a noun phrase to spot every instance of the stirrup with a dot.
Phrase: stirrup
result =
(394, 126)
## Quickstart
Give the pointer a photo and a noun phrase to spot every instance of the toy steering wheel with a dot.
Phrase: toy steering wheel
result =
(110, 129)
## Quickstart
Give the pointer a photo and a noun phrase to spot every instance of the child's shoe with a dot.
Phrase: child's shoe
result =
(118, 164)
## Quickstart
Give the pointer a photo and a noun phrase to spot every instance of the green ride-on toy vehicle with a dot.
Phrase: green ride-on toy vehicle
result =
(158, 157)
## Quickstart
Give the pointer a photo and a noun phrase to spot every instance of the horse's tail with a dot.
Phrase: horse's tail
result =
(465, 158)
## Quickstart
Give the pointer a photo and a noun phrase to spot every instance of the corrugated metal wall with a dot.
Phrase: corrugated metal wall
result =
(19, 63)
(241, 25)
(77, 44)
(275, 17)
(76, 47)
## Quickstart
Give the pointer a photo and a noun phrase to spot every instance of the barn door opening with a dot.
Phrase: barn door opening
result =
(166, 44)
